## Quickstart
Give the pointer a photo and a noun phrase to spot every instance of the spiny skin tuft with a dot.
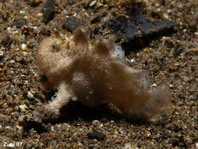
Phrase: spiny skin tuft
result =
(96, 74)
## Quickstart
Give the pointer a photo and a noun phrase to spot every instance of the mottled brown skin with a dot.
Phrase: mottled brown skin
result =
(96, 74)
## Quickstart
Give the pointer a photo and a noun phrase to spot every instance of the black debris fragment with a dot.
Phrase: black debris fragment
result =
(137, 25)
(148, 27)
(48, 10)
(96, 135)
(122, 27)
(165, 24)
(145, 25)
(135, 13)
(71, 24)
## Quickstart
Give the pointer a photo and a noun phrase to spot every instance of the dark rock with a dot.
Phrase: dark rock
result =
(169, 44)
(178, 141)
(34, 3)
(19, 22)
(96, 135)
(174, 127)
(4, 16)
(48, 10)
(7, 42)
(71, 2)
(97, 19)
(174, 141)
(71, 24)
(45, 32)
(27, 31)
(177, 52)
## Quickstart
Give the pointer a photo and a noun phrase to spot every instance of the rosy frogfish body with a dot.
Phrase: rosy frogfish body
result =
(95, 74)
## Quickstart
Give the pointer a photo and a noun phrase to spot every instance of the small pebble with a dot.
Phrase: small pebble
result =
(1, 54)
(23, 46)
(92, 3)
(12, 61)
(19, 127)
(132, 60)
(99, 4)
(39, 15)
(22, 12)
(21, 118)
(154, 85)
(171, 85)
(127, 146)
(112, 121)
(96, 135)
(52, 143)
(65, 11)
(118, 141)
(23, 107)
(196, 145)
(96, 123)
(30, 95)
